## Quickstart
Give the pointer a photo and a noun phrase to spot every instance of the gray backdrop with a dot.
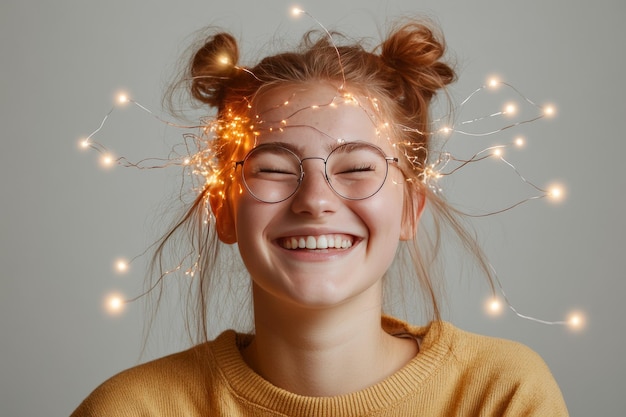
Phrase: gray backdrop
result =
(63, 219)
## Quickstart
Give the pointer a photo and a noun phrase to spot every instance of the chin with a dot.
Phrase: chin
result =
(311, 292)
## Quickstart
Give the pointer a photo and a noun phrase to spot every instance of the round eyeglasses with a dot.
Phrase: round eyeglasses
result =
(356, 170)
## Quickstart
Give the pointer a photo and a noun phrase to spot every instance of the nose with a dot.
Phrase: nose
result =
(314, 196)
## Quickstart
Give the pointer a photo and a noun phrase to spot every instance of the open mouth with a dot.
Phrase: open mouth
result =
(334, 241)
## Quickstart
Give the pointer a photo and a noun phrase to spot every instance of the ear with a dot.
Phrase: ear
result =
(414, 203)
(224, 218)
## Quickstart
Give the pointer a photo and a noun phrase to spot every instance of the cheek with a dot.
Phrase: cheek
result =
(248, 216)
(383, 212)
(249, 227)
(243, 209)
(252, 220)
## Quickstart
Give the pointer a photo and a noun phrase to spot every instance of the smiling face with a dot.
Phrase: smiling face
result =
(316, 249)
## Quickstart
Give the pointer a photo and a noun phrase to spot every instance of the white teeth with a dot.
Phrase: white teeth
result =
(317, 242)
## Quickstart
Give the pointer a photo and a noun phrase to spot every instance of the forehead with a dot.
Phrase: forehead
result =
(314, 113)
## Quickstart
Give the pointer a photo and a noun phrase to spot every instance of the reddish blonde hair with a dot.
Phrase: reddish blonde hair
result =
(403, 73)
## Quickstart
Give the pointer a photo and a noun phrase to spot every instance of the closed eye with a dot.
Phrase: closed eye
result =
(364, 168)
(275, 171)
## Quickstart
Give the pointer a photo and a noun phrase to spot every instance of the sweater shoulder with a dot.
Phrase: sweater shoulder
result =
(177, 381)
(495, 353)
(447, 345)
(505, 375)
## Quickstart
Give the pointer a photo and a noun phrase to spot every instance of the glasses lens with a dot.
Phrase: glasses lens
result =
(271, 173)
(356, 170)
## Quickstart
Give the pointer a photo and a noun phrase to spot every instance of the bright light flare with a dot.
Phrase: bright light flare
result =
(122, 98)
(121, 265)
(497, 152)
(224, 60)
(549, 111)
(510, 108)
(493, 82)
(114, 304)
(556, 192)
(519, 142)
(494, 307)
(83, 143)
(576, 321)
(107, 161)
(296, 11)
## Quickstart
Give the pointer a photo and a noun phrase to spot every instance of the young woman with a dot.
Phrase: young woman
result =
(315, 167)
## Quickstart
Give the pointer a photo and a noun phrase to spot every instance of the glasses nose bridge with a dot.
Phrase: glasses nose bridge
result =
(311, 158)
(302, 171)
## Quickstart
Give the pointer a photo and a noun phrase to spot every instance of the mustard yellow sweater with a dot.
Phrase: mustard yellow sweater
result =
(455, 374)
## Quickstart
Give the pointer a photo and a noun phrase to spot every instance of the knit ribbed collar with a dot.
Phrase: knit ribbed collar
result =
(436, 338)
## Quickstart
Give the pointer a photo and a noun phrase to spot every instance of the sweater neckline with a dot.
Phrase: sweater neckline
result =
(436, 343)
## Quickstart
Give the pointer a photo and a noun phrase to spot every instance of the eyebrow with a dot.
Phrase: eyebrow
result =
(298, 150)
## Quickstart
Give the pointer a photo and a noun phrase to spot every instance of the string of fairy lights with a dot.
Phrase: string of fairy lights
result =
(197, 160)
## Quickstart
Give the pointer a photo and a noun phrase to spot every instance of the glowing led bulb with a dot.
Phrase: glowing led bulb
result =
(123, 98)
(549, 111)
(106, 160)
(494, 306)
(114, 304)
(445, 129)
(556, 192)
(121, 265)
(295, 11)
(510, 109)
(224, 60)
(493, 82)
(576, 321)
(84, 143)
(497, 152)
(519, 142)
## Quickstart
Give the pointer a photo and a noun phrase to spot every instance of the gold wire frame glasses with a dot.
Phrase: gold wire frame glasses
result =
(272, 172)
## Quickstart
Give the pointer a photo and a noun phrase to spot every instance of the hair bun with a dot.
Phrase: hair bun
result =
(414, 53)
(212, 67)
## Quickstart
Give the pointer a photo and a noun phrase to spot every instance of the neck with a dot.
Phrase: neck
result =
(323, 352)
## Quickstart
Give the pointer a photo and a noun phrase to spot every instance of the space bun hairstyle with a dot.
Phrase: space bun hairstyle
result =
(406, 70)
(404, 73)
